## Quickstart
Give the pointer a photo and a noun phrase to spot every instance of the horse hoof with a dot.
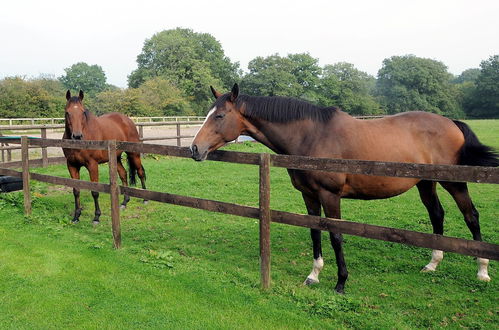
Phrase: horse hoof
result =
(75, 221)
(339, 291)
(483, 277)
(145, 202)
(310, 281)
(122, 207)
(95, 222)
(427, 269)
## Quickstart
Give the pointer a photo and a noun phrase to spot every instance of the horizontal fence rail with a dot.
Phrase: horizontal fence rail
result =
(357, 167)
(15, 121)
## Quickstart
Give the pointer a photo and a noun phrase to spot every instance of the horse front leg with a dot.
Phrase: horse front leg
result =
(331, 204)
(93, 171)
(314, 208)
(74, 172)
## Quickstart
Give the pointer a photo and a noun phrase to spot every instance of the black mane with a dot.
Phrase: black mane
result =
(279, 109)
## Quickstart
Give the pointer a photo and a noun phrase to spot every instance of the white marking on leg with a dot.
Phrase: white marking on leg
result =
(314, 275)
(483, 274)
(436, 257)
(205, 120)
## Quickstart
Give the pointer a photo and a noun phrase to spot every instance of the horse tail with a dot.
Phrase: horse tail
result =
(132, 169)
(473, 152)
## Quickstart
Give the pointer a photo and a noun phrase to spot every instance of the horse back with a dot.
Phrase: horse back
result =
(411, 137)
(117, 126)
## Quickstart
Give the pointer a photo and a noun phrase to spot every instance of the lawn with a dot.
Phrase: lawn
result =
(186, 268)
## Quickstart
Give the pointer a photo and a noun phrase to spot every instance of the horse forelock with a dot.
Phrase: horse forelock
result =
(74, 99)
(278, 108)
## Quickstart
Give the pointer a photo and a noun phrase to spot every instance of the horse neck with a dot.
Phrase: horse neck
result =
(293, 138)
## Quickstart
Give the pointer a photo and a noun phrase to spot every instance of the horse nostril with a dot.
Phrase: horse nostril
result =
(194, 150)
(77, 136)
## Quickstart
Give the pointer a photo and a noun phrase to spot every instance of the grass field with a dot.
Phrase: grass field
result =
(185, 268)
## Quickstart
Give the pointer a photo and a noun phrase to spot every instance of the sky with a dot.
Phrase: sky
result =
(45, 37)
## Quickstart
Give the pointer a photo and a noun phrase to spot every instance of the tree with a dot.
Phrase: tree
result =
(42, 97)
(345, 86)
(483, 101)
(155, 97)
(89, 78)
(190, 61)
(296, 75)
(412, 83)
(469, 75)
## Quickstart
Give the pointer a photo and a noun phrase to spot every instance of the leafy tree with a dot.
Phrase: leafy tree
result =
(159, 93)
(483, 101)
(190, 61)
(469, 75)
(155, 97)
(89, 78)
(412, 83)
(42, 97)
(345, 86)
(296, 75)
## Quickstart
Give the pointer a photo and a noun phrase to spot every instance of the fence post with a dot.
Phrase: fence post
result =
(264, 205)
(45, 161)
(114, 193)
(25, 164)
(141, 132)
(179, 143)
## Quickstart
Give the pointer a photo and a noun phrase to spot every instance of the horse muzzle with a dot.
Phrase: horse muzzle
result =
(77, 136)
(196, 154)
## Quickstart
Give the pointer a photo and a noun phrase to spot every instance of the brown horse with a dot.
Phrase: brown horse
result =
(293, 127)
(81, 124)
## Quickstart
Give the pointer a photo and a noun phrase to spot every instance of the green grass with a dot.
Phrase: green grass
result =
(186, 268)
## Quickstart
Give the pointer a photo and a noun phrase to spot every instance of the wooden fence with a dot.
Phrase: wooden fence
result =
(60, 120)
(263, 212)
(6, 149)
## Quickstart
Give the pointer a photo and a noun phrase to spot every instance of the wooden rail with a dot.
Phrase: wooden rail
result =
(263, 212)
(33, 121)
(6, 149)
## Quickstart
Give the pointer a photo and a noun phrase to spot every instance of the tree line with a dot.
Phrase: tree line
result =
(176, 68)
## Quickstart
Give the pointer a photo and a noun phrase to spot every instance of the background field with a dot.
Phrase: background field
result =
(186, 268)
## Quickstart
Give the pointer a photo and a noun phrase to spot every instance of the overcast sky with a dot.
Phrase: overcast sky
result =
(44, 37)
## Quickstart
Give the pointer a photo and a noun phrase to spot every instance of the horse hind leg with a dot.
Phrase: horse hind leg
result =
(122, 173)
(459, 191)
(428, 194)
(331, 204)
(135, 163)
(314, 208)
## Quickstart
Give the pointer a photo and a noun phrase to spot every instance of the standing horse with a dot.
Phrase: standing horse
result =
(81, 124)
(292, 127)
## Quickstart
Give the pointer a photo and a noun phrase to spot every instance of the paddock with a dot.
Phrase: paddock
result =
(263, 212)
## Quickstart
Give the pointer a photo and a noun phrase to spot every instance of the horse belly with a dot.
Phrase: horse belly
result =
(375, 187)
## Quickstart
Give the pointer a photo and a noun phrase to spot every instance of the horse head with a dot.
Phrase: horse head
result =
(223, 123)
(75, 115)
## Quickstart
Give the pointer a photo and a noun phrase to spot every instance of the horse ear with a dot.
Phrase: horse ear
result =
(68, 95)
(215, 93)
(80, 96)
(234, 92)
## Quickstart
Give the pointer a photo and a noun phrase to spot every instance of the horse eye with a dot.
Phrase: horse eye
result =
(220, 116)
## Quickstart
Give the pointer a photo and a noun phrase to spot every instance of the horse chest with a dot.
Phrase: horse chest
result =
(311, 182)
(83, 157)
